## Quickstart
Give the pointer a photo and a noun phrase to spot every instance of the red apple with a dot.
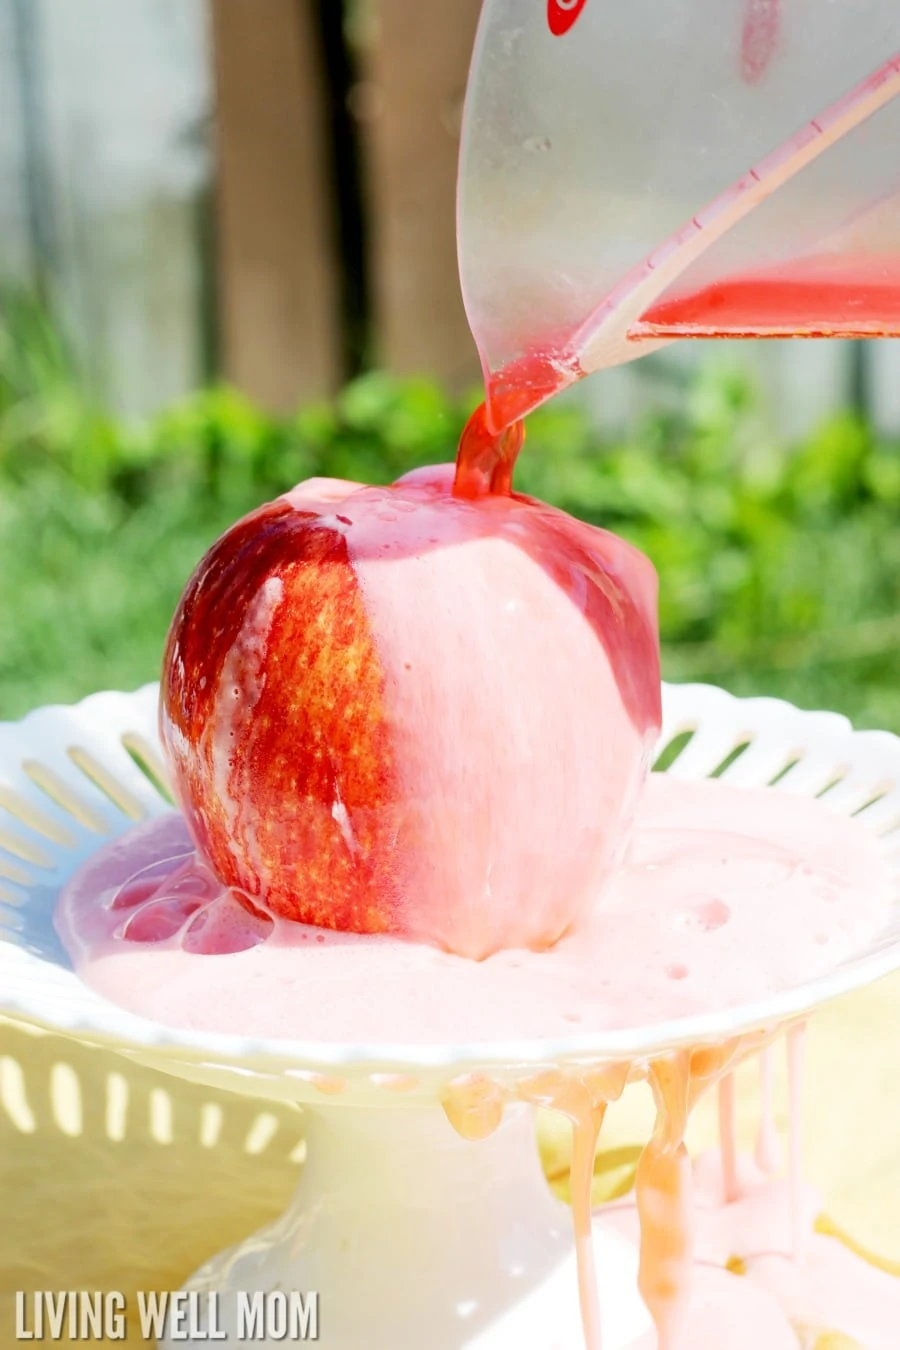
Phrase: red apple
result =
(393, 710)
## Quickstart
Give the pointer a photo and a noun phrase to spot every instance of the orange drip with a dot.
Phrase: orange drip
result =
(585, 1110)
(474, 1107)
(663, 1193)
(727, 1139)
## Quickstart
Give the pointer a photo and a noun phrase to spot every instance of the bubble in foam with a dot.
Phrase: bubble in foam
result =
(159, 920)
(230, 923)
(145, 884)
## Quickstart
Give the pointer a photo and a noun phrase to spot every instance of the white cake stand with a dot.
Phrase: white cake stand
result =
(409, 1235)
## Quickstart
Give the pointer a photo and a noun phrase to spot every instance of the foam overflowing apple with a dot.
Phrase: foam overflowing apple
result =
(424, 710)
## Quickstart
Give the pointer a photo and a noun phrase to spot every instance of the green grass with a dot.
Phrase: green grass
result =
(779, 565)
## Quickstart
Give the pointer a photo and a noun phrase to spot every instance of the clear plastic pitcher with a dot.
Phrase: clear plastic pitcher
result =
(634, 171)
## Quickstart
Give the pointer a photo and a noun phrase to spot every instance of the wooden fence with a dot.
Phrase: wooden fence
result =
(282, 151)
(267, 187)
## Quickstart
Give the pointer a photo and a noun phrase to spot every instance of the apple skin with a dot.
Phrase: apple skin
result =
(392, 710)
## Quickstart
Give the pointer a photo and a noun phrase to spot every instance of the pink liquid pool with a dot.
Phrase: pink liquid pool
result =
(728, 895)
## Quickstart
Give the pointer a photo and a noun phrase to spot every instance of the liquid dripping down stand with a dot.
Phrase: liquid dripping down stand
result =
(409, 1234)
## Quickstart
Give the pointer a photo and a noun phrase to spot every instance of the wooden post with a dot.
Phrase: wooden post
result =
(416, 67)
(278, 273)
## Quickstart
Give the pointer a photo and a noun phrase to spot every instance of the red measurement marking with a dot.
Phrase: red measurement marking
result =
(759, 38)
(562, 14)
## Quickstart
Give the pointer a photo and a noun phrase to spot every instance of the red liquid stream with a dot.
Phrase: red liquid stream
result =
(823, 296)
(494, 434)
(486, 459)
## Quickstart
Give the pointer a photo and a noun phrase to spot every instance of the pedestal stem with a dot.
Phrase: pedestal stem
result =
(407, 1234)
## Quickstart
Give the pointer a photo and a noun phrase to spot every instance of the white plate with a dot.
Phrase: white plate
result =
(68, 784)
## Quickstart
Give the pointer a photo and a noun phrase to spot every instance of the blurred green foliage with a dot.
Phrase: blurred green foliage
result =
(779, 565)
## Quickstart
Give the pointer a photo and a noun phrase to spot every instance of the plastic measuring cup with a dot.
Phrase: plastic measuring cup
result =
(634, 171)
